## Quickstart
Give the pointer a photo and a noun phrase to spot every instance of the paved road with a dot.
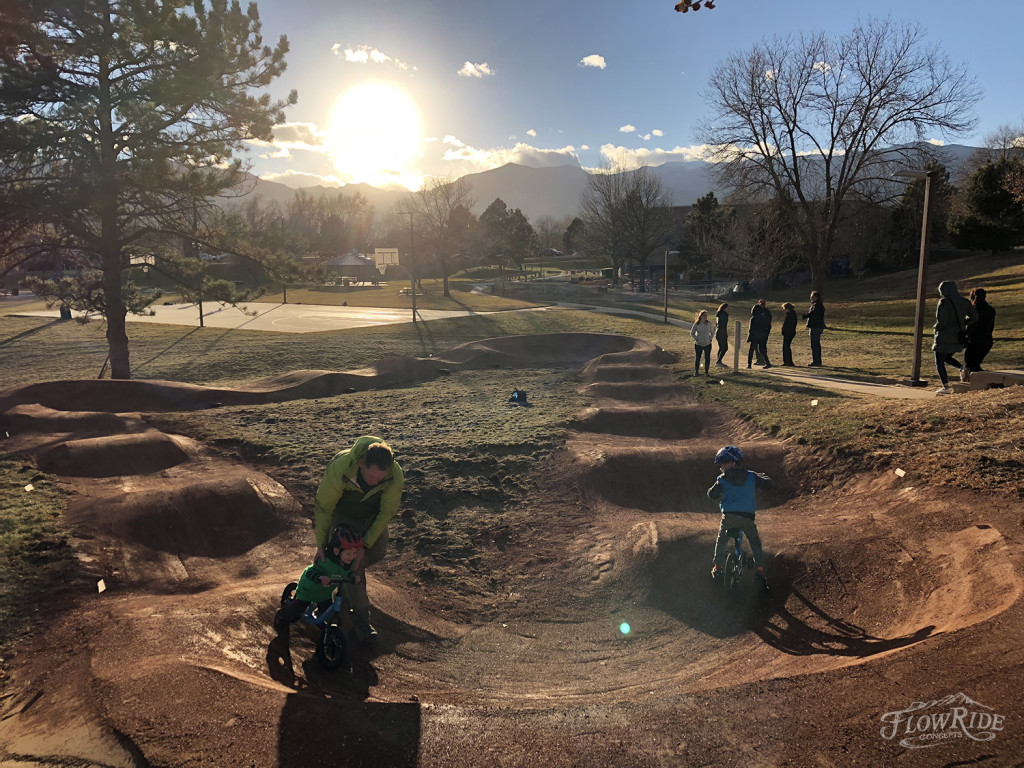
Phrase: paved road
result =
(310, 318)
(285, 318)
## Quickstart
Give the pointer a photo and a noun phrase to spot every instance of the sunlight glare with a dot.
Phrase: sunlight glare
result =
(375, 135)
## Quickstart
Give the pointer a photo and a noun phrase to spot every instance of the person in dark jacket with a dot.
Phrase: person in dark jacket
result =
(757, 336)
(815, 318)
(788, 332)
(722, 333)
(980, 332)
(952, 317)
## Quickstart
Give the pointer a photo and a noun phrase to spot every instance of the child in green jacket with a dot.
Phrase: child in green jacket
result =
(343, 556)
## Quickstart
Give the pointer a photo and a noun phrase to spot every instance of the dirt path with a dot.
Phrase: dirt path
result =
(884, 594)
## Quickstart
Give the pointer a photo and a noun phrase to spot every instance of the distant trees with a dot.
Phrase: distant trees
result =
(626, 216)
(443, 222)
(988, 214)
(709, 225)
(506, 235)
(118, 122)
(816, 122)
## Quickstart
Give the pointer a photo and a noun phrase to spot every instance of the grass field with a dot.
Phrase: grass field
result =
(455, 435)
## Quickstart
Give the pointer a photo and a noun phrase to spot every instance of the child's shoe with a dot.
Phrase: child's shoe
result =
(363, 628)
(762, 580)
(716, 572)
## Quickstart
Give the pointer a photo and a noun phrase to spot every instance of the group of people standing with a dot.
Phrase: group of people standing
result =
(757, 335)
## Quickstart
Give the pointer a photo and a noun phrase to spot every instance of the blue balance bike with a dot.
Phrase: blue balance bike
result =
(332, 642)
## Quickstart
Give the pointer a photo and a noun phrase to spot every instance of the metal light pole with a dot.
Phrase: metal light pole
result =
(412, 271)
(922, 275)
(665, 277)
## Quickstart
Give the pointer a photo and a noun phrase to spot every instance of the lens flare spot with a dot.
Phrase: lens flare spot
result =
(624, 628)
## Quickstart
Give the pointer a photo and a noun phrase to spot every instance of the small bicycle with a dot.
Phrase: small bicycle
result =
(737, 563)
(332, 643)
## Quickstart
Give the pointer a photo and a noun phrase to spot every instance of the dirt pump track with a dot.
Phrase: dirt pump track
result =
(885, 592)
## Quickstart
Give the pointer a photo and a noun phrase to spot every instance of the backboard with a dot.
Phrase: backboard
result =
(385, 257)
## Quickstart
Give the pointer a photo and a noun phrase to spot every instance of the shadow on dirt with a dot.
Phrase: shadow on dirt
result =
(335, 730)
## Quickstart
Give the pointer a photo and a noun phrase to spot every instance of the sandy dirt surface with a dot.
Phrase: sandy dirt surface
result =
(891, 635)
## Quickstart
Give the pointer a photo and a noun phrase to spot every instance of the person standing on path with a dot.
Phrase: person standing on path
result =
(788, 332)
(980, 333)
(722, 333)
(815, 318)
(757, 336)
(700, 332)
(952, 316)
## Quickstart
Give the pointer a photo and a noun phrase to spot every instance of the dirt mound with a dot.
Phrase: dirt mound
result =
(591, 632)
(658, 421)
(133, 454)
(143, 395)
(674, 477)
(37, 418)
(636, 392)
(214, 517)
(625, 373)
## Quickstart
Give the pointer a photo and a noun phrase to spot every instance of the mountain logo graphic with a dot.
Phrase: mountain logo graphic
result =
(931, 723)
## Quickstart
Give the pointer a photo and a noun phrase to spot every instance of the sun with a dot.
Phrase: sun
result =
(375, 135)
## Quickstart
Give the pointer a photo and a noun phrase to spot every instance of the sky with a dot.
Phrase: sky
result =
(394, 91)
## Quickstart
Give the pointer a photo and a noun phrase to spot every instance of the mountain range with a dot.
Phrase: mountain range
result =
(550, 191)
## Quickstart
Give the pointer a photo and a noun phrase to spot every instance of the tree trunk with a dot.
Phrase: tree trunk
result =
(117, 337)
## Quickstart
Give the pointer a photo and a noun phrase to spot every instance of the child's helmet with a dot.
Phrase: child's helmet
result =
(729, 453)
(343, 537)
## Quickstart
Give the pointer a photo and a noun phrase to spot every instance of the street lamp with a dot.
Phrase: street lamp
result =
(922, 275)
(665, 276)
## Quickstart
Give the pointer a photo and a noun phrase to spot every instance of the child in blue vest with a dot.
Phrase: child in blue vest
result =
(736, 489)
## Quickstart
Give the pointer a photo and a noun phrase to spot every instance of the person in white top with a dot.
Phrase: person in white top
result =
(702, 332)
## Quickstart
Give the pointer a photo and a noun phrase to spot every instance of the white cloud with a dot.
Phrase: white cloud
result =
(470, 69)
(462, 158)
(822, 66)
(769, 74)
(584, 147)
(593, 60)
(940, 142)
(626, 157)
(288, 136)
(646, 137)
(366, 54)
(531, 132)
(657, 132)
(627, 128)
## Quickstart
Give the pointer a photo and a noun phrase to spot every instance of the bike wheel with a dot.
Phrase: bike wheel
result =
(289, 593)
(330, 647)
(733, 570)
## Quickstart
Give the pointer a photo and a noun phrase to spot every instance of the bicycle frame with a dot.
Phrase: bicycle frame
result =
(335, 609)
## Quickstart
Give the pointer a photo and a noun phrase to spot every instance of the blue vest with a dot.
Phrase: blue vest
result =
(738, 498)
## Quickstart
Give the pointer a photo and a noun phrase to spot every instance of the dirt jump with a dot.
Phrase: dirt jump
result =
(891, 634)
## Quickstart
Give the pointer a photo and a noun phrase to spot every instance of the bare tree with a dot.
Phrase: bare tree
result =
(626, 215)
(440, 208)
(816, 121)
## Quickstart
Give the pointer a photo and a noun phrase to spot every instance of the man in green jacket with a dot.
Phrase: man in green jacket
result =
(361, 487)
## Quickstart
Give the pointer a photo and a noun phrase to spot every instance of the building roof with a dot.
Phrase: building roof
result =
(350, 260)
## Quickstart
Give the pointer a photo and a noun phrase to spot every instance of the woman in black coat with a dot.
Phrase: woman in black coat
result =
(788, 332)
(980, 332)
(722, 332)
(757, 336)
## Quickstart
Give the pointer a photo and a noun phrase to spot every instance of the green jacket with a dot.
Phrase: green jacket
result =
(340, 478)
(309, 587)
